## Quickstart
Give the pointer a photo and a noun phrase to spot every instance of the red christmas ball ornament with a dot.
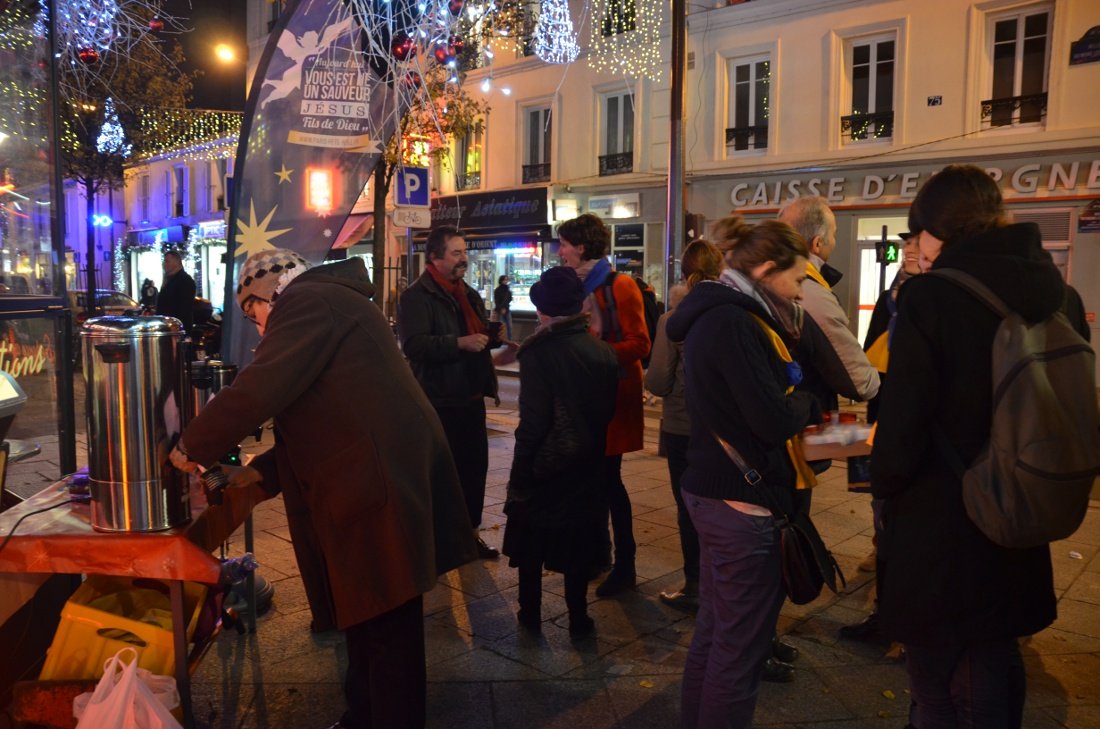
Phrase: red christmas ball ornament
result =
(402, 47)
(156, 25)
(457, 44)
(443, 53)
(455, 6)
(411, 80)
(88, 55)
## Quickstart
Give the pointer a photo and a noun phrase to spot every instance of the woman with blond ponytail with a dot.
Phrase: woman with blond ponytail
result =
(701, 261)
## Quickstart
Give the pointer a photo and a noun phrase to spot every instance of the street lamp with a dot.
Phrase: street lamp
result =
(225, 53)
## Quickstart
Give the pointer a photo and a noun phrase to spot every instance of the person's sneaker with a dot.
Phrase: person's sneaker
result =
(581, 627)
(484, 551)
(784, 652)
(865, 630)
(618, 581)
(681, 600)
(869, 563)
(777, 671)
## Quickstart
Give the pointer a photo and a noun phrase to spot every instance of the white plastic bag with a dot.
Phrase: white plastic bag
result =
(128, 697)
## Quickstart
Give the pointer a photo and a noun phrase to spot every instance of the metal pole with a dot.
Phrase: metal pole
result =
(66, 405)
(882, 261)
(674, 218)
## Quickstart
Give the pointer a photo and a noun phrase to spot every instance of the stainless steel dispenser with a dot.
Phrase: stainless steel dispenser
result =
(205, 378)
(132, 380)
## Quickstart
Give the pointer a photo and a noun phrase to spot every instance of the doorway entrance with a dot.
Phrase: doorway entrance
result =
(874, 277)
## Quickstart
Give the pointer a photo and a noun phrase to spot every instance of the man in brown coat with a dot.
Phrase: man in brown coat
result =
(360, 449)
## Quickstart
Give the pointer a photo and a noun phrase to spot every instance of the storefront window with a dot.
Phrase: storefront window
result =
(34, 346)
(523, 265)
(25, 198)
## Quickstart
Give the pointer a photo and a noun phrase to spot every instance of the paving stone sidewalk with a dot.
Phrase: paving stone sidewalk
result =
(485, 674)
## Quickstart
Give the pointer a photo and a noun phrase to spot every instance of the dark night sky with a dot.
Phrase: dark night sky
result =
(221, 86)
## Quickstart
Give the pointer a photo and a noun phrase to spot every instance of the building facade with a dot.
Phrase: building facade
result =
(856, 100)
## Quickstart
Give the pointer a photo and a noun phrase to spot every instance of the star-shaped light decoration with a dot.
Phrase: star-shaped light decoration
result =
(253, 236)
(284, 174)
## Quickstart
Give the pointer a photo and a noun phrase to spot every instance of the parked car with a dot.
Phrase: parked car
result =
(108, 303)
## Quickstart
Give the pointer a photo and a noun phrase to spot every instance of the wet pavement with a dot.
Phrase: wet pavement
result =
(484, 673)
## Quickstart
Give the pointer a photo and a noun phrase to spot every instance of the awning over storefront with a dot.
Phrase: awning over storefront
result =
(355, 227)
(493, 239)
(158, 236)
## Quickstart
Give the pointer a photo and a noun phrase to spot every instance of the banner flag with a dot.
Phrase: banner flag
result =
(317, 119)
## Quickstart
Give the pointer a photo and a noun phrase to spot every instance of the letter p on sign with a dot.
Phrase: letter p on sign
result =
(412, 187)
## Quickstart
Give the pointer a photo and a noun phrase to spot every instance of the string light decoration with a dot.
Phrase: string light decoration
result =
(196, 133)
(120, 265)
(555, 41)
(626, 38)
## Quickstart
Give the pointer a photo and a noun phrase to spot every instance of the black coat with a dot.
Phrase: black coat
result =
(568, 381)
(940, 580)
(177, 298)
(735, 386)
(502, 298)
(430, 323)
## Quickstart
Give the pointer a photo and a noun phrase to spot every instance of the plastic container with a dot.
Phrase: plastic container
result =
(106, 614)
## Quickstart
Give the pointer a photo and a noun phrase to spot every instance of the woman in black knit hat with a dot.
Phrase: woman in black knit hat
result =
(556, 505)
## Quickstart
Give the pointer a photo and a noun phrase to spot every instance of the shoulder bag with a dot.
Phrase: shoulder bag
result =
(808, 565)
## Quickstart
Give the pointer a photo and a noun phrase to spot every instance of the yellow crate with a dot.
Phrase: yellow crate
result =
(107, 614)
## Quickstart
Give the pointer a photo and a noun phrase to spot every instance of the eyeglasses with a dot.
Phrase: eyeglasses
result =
(249, 305)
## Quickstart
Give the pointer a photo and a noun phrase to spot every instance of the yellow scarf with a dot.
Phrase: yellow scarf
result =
(812, 272)
(804, 475)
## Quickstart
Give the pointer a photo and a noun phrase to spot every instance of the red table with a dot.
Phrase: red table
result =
(62, 541)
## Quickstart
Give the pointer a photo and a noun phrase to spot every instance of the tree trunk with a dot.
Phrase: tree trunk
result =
(381, 190)
(89, 193)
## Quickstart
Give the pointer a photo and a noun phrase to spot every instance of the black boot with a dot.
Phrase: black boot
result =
(866, 630)
(784, 652)
(777, 671)
(620, 580)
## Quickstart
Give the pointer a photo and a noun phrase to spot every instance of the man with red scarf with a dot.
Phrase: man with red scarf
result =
(445, 336)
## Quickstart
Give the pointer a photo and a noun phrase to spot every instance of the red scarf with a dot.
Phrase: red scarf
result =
(457, 289)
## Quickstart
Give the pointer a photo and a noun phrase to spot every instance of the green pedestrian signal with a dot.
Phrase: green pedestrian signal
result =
(892, 252)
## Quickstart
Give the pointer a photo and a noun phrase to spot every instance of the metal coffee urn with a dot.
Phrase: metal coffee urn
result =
(204, 379)
(132, 378)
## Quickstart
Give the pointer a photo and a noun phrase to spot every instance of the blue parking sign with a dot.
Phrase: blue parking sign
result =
(412, 187)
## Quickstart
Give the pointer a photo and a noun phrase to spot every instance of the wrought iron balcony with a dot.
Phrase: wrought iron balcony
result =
(879, 125)
(536, 173)
(755, 137)
(471, 181)
(1014, 110)
(616, 164)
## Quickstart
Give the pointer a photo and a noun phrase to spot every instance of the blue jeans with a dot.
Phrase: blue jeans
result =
(968, 686)
(740, 593)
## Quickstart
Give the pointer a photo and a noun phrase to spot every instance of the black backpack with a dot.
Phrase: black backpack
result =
(1031, 483)
(650, 308)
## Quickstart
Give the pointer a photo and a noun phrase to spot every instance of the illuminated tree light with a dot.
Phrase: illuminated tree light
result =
(555, 41)
(111, 138)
